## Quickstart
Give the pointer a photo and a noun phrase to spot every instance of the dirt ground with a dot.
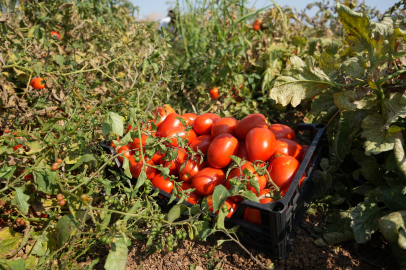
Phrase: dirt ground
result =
(305, 254)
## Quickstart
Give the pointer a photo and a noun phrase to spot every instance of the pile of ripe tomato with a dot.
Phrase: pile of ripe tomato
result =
(252, 139)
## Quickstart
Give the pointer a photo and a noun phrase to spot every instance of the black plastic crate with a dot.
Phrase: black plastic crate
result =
(280, 218)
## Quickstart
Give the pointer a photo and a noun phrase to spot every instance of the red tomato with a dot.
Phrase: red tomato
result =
(113, 145)
(257, 25)
(207, 179)
(157, 157)
(202, 142)
(282, 131)
(174, 164)
(231, 205)
(249, 122)
(162, 183)
(163, 112)
(190, 135)
(203, 123)
(260, 143)
(214, 93)
(242, 151)
(126, 148)
(254, 215)
(282, 171)
(168, 125)
(220, 150)
(56, 34)
(223, 125)
(286, 147)
(38, 83)
(193, 197)
(136, 168)
(295, 51)
(189, 118)
(190, 169)
(237, 173)
(136, 142)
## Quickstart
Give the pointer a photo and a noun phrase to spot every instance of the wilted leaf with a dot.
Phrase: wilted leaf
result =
(9, 242)
(299, 81)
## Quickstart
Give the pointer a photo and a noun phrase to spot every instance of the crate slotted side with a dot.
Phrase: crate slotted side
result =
(280, 218)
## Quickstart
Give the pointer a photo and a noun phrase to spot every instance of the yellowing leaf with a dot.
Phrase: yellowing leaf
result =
(9, 242)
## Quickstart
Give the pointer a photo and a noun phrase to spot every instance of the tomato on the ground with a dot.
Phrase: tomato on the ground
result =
(220, 150)
(203, 123)
(162, 183)
(249, 122)
(223, 125)
(287, 147)
(207, 179)
(257, 25)
(202, 143)
(56, 34)
(191, 168)
(231, 205)
(214, 93)
(38, 83)
(260, 143)
(282, 131)
(282, 171)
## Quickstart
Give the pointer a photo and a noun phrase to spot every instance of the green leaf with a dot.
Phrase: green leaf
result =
(400, 157)
(220, 219)
(40, 246)
(322, 108)
(59, 60)
(176, 212)
(141, 179)
(45, 181)
(134, 208)
(65, 226)
(8, 173)
(9, 242)
(393, 198)
(370, 169)
(21, 200)
(84, 159)
(18, 264)
(349, 129)
(220, 195)
(254, 183)
(126, 167)
(360, 98)
(322, 182)
(52, 122)
(117, 258)
(365, 218)
(376, 140)
(248, 194)
(107, 186)
(337, 237)
(299, 81)
(352, 67)
(392, 224)
(113, 123)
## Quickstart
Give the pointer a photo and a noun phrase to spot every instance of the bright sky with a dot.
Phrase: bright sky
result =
(159, 8)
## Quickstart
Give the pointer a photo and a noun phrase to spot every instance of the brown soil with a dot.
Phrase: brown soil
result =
(304, 255)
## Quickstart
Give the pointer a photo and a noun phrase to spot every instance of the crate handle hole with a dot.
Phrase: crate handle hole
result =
(278, 206)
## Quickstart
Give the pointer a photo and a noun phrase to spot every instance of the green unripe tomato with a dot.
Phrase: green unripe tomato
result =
(103, 239)
(108, 240)
(170, 249)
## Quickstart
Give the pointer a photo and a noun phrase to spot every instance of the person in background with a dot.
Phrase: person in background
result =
(168, 22)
